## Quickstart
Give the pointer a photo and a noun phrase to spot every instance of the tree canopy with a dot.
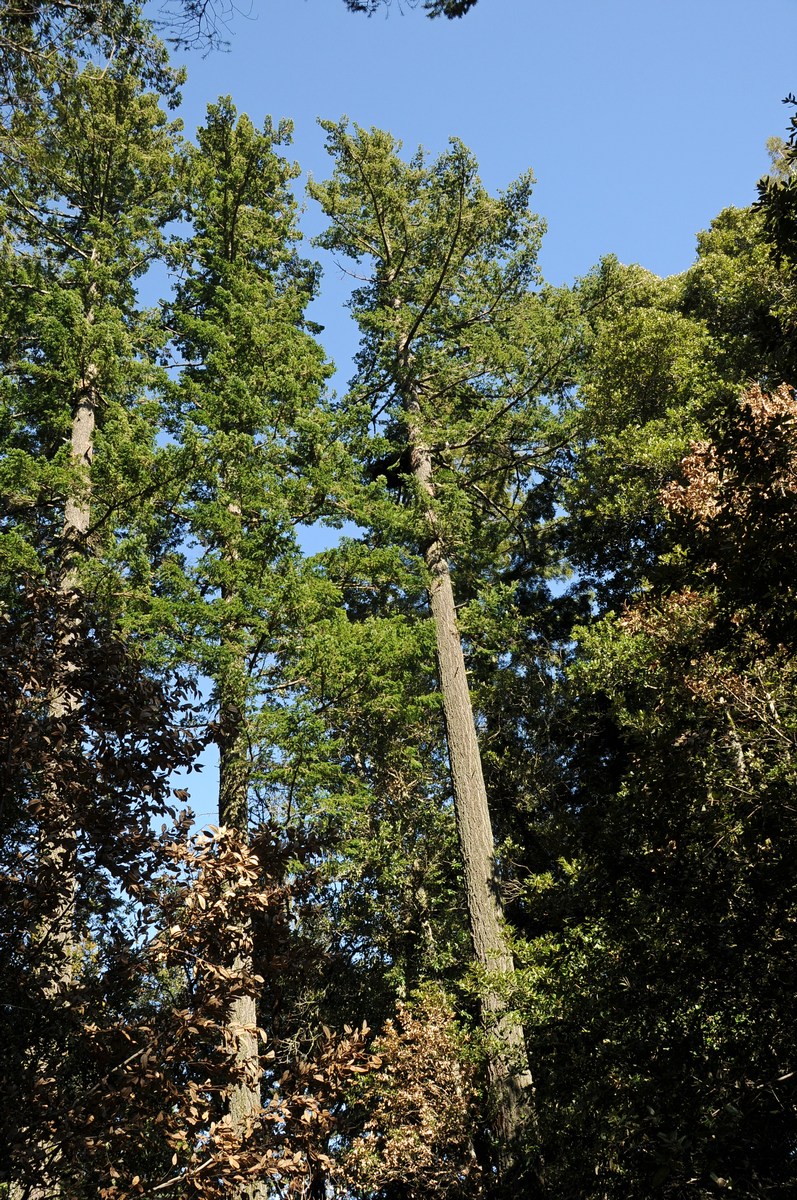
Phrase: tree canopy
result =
(500, 896)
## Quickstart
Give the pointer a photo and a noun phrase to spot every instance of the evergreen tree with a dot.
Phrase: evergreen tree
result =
(456, 350)
(36, 34)
(86, 182)
(665, 908)
(241, 412)
(87, 186)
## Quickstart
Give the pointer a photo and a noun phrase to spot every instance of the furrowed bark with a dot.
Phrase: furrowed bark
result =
(244, 1098)
(508, 1069)
(58, 840)
(58, 845)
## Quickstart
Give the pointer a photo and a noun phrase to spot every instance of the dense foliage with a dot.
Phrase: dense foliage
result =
(501, 896)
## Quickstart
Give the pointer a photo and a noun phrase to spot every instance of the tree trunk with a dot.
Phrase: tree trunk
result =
(58, 841)
(58, 844)
(510, 1079)
(244, 1099)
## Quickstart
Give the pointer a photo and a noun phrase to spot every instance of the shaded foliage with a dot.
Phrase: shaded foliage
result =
(420, 1109)
(115, 1080)
(614, 479)
(671, 976)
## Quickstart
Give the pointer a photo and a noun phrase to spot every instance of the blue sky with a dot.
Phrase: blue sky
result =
(641, 119)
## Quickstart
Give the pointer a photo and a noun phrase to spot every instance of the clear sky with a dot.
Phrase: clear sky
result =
(641, 119)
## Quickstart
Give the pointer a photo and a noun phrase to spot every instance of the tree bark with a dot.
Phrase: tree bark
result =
(58, 845)
(244, 1099)
(508, 1069)
(58, 840)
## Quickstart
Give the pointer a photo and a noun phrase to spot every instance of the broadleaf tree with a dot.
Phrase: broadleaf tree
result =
(660, 1072)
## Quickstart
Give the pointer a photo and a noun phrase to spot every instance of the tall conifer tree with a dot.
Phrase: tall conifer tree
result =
(241, 411)
(86, 178)
(454, 356)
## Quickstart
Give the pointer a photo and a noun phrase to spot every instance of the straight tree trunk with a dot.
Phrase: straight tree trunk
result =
(58, 847)
(244, 1099)
(510, 1078)
(57, 857)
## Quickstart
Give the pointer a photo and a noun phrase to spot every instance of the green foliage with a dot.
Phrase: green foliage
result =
(87, 185)
(777, 195)
(658, 987)
(613, 482)
(646, 382)
(745, 293)
(456, 340)
(245, 419)
(666, 1027)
